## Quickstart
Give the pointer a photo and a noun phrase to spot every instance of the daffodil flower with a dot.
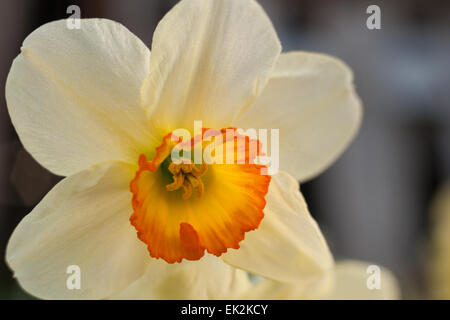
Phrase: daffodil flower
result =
(94, 105)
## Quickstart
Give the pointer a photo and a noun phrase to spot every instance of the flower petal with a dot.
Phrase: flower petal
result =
(82, 221)
(208, 278)
(288, 245)
(210, 59)
(266, 289)
(311, 98)
(347, 282)
(74, 95)
(351, 283)
(438, 264)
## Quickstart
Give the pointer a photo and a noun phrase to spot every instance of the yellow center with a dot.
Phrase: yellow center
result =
(230, 202)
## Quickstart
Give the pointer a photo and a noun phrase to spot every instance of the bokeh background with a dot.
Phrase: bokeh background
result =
(372, 204)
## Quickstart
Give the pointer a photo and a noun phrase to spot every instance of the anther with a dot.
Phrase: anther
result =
(188, 176)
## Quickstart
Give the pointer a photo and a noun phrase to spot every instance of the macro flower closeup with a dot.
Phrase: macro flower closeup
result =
(98, 107)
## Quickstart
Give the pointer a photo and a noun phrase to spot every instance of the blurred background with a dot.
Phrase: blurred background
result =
(373, 204)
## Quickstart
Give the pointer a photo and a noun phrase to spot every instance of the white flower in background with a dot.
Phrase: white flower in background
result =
(439, 262)
(94, 105)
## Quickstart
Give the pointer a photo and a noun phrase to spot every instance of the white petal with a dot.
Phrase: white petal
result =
(347, 282)
(210, 59)
(351, 283)
(311, 98)
(288, 245)
(276, 290)
(74, 95)
(83, 221)
(207, 278)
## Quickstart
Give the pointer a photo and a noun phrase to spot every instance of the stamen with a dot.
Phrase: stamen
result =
(178, 180)
(187, 190)
(188, 176)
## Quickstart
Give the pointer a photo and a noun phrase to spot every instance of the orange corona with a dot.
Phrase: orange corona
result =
(182, 209)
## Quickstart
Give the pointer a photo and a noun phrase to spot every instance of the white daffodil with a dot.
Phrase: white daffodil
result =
(94, 105)
(439, 266)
